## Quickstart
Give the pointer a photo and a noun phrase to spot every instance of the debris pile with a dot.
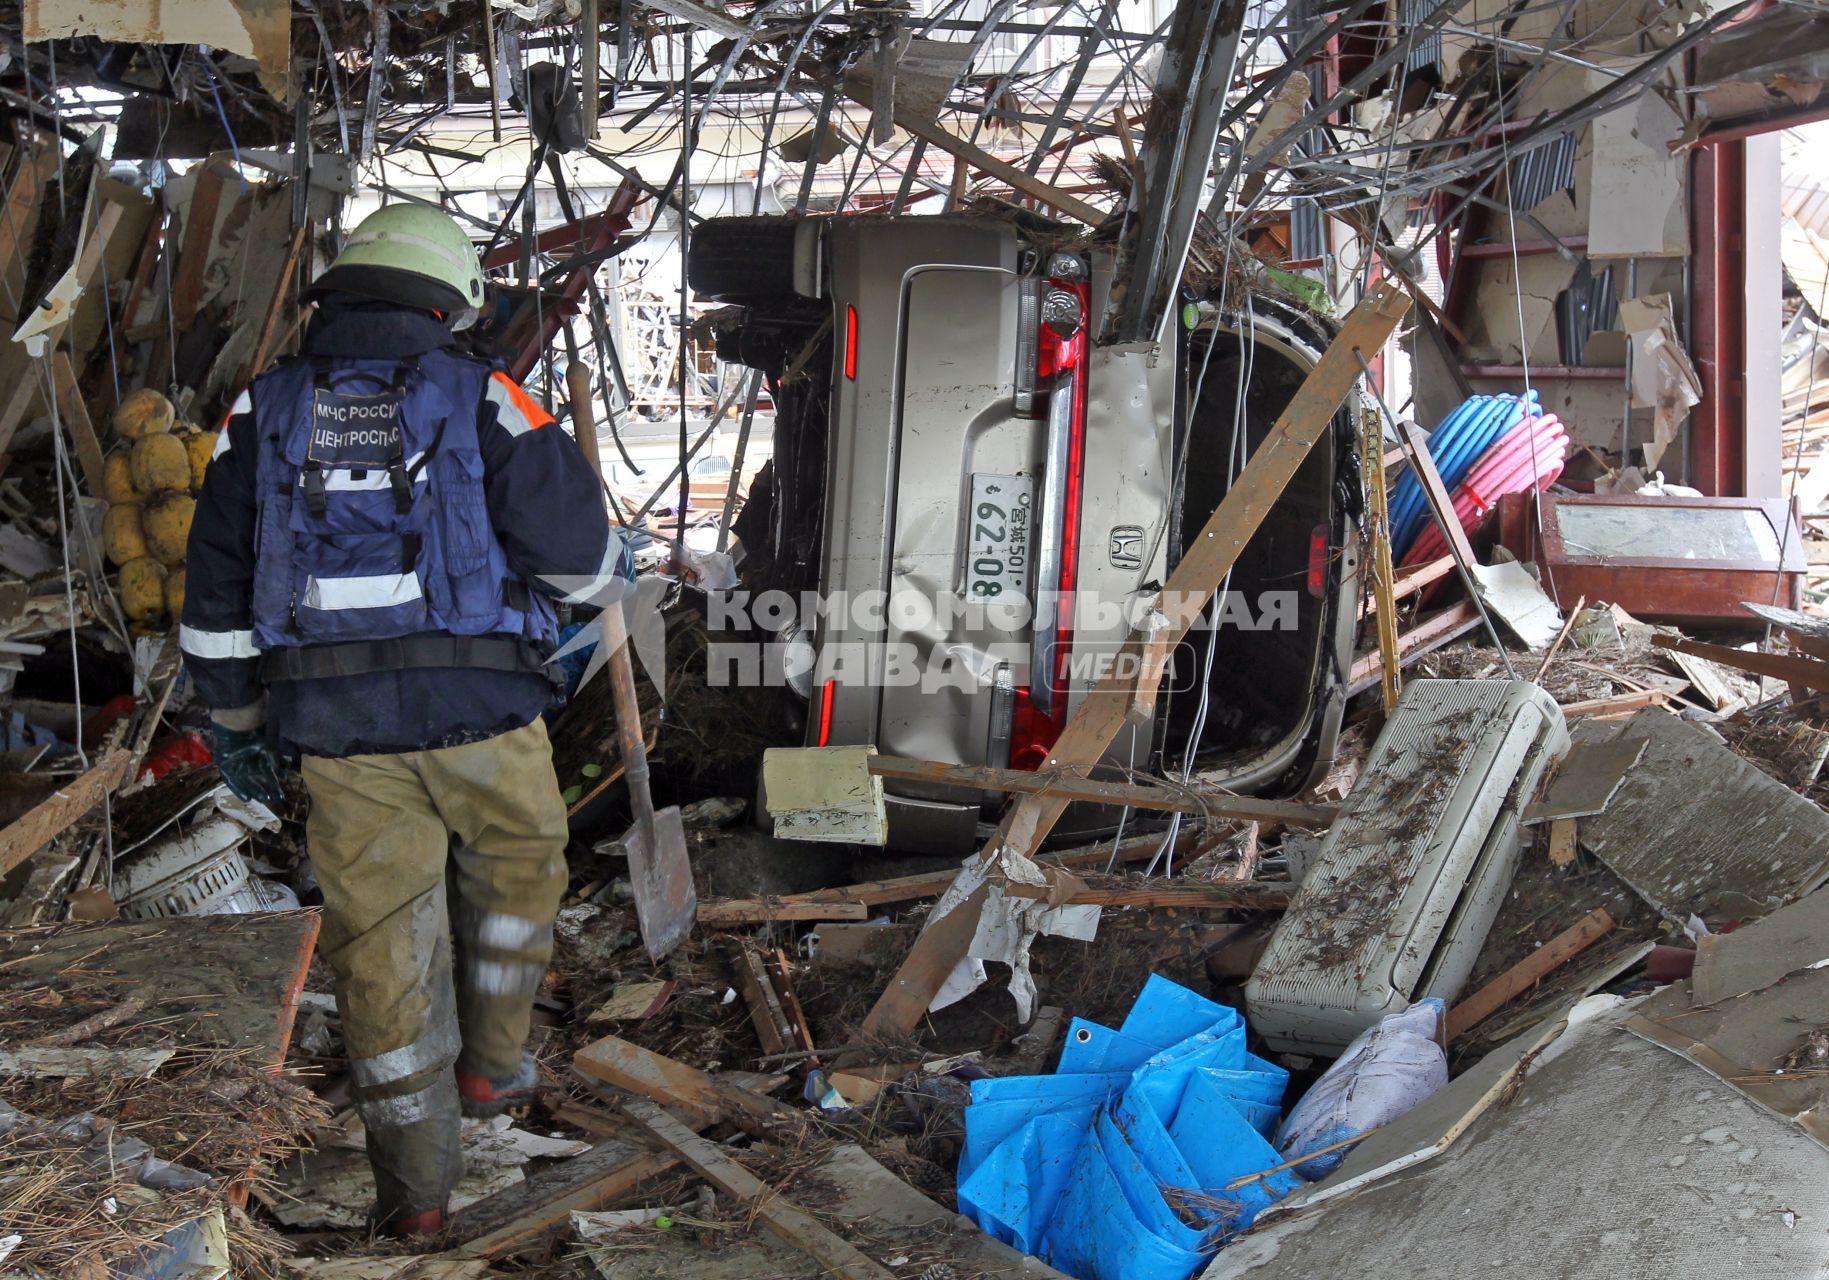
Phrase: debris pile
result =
(1452, 761)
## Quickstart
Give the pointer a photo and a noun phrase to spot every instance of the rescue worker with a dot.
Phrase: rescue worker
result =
(367, 592)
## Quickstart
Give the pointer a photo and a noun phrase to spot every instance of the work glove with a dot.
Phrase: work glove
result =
(249, 764)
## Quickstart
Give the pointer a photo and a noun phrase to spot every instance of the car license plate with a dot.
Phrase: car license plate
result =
(999, 541)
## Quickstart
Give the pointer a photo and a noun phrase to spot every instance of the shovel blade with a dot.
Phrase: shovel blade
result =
(665, 901)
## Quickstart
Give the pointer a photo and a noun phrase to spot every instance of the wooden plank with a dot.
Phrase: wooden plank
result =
(936, 952)
(74, 412)
(282, 289)
(1435, 494)
(520, 1217)
(194, 250)
(1195, 895)
(1552, 955)
(1103, 713)
(784, 1219)
(1056, 782)
(1434, 631)
(1615, 704)
(876, 893)
(54, 816)
(18, 402)
(145, 268)
(719, 914)
(1809, 672)
(765, 1012)
(781, 977)
(108, 1064)
(1565, 841)
(17, 216)
(1412, 580)
(613, 1060)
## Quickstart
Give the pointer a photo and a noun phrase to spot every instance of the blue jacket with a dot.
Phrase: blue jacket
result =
(542, 505)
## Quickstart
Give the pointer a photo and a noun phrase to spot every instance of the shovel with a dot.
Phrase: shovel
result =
(665, 901)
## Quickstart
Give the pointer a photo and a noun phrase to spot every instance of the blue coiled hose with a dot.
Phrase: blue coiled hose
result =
(1455, 445)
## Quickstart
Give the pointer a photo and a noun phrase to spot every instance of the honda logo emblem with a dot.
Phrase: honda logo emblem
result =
(1126, 546)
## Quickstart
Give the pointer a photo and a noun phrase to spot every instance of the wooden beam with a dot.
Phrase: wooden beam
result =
(784, 1219)
(1210, 556)
(1435, 494)
(16, 213)
(282, 289)
(1565, 841)
(1616, 703)
(1176, 799)
(1529, 971)
(1194, 895)
(14, 408)
(765, 1012)
(1431, 633)
(194, 250)
(522, 1216)
(613, 1060)
(1383, 602)
(54, 816)
(74, 412)
(855, 900)
(1412, 580)
(717, 915)
(1809, 672)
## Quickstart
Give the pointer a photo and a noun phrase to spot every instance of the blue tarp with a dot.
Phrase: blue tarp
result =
(1122, 1165)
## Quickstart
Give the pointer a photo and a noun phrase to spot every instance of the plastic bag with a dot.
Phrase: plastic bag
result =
(1387, 1070)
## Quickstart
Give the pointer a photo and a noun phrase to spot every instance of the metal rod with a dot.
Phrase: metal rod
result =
(1468, 580)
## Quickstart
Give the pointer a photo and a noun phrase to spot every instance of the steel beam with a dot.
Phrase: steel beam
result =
(1717, 319)
(1180, 132)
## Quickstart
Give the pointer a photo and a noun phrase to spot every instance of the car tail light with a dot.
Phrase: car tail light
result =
(1318, 556)
(825, 712)
(1063, 340)
(851, 343)
(1032, 733)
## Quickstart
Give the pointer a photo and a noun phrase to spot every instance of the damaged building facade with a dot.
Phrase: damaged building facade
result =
(730, 638)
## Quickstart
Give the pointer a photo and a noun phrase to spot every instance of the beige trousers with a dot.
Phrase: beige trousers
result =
(413, 852)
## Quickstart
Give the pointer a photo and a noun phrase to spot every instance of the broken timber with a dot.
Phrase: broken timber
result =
(1505, 988)
(1173, 799)
(1189, 589)
(53, 817)
(853, 901)
(614, 1061)
(784, 1219)
(521, 1216)
(1780, 666)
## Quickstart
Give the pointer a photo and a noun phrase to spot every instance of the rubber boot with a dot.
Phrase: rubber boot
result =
(483, 1098)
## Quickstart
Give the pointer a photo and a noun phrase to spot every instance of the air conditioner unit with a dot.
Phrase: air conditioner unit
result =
(1398, 901)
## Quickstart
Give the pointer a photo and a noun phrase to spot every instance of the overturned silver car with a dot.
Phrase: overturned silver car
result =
(973, 502)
